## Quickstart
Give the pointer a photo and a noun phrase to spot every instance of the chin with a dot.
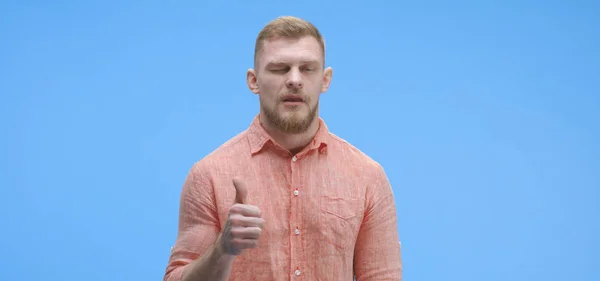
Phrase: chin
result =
(297, 115)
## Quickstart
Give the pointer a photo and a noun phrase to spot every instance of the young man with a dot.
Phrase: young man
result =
(286, 199)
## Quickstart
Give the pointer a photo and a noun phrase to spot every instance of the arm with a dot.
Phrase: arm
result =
(377, 252)
(215, 264)
(200, 252)
(194, 255)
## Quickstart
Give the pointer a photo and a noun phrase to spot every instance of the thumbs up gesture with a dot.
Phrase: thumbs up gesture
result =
(244, 223)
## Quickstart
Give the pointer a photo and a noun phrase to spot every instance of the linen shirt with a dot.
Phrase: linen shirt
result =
(329, 210)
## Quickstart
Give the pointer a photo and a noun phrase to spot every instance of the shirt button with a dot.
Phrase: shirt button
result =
(297, 272)
(294, 158)
(297, 231)
(296, 192)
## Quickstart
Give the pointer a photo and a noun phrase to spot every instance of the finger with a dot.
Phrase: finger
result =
(240, 191)
(245, 210)
(246, 221)
(237, 211)
(242, 243)
(246, 232)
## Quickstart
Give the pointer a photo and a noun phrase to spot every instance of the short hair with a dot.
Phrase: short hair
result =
(287, 27)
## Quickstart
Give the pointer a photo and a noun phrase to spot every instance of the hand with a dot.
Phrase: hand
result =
(244, 223)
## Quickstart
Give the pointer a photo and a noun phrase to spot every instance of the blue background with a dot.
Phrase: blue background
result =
(484, 114)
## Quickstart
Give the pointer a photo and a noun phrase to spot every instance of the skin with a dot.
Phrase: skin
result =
(290, 66)
(284, 66)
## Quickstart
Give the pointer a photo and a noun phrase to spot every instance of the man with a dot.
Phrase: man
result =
(286, 199)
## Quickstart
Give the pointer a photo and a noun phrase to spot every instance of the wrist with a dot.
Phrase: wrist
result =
(220, 253)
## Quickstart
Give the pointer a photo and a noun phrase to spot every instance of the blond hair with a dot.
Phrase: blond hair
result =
(287, 27)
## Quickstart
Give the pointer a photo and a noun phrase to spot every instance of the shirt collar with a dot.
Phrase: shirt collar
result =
(258, 137)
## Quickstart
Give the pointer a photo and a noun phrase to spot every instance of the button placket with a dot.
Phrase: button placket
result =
(297, 253)
(295, 215)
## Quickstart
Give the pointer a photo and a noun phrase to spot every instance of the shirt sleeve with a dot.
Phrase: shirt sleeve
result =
(198, 225)
(377, 253)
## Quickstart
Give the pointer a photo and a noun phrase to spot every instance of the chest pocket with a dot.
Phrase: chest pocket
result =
(339, 220)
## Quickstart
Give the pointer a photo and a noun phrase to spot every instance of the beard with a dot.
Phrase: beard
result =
(293, 124)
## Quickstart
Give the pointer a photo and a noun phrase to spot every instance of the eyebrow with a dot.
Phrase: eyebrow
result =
(302, 61)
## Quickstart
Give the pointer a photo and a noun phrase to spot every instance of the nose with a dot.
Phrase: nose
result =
(294, 79)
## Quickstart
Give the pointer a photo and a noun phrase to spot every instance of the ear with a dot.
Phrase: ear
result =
(327, 74)
(252, 81)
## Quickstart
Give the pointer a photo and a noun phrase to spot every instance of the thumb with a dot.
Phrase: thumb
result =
(240, 191)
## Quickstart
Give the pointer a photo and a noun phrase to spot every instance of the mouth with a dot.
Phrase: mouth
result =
(293, 100)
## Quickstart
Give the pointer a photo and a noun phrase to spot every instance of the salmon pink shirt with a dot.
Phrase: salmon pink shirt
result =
(329, 210)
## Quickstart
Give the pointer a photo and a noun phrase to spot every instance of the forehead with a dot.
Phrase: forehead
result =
(291, 50)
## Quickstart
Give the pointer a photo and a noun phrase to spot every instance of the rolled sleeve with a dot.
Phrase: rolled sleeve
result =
(377, 251)
(198, 223)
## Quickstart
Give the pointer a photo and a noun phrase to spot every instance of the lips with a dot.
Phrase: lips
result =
(293, 98)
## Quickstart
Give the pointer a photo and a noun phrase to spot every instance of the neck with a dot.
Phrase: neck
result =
(294, 143)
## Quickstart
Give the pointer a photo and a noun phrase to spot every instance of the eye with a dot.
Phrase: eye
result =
(279, 70)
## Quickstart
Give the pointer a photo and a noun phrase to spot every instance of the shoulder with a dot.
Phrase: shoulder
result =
(354, 156)
(228, 152)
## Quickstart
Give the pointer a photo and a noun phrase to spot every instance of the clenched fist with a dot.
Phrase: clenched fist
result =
(244, 224)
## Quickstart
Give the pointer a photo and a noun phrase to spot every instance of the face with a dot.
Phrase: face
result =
(289, 79)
